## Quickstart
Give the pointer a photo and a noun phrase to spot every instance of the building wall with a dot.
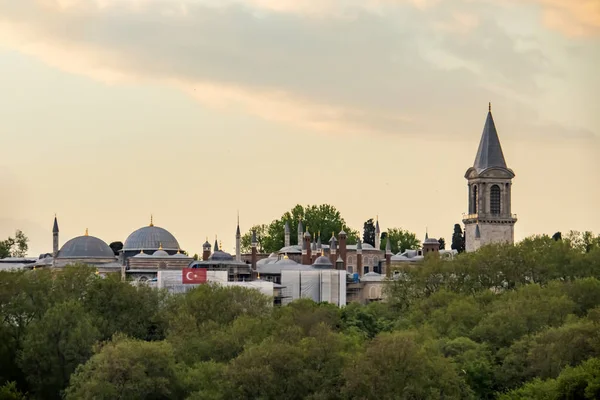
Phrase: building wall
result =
(489, 233)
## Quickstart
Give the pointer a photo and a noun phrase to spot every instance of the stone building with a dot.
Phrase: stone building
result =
(489, 219)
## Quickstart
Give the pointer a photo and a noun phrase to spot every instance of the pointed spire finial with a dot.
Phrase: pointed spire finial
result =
(160, 246)
(490, 106)
(142, 251)
(151, 220)
(86, 232)
(178, 250)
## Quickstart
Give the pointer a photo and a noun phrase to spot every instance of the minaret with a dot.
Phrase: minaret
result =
(313, 250)
(216, 245)
(286, 234)
(300, 232)
(489, 219)
(304, 251)
(377, 234)
(238, 241)
(55, 237)
(319, 244)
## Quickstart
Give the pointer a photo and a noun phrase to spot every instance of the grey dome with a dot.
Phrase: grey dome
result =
(85, 247)
(160, 253)
(220, 256)
(151, 238)
(322, 262)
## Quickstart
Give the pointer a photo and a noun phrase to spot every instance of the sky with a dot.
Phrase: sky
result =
(190, 110)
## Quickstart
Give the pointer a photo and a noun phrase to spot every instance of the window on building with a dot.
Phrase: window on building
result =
(474, 204)
(366, 269)
(350, 269)
(495, 199)
(377, 269)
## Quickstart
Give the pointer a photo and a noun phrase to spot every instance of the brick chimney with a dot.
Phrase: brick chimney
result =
(343, 238)
(205, 250)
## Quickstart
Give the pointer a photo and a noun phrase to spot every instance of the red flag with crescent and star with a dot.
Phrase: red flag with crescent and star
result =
(193, 275)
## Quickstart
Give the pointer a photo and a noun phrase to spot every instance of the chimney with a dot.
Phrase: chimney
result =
(254, 253)
(359, 266)
(205, 250)
(343, 238)
(333, 249)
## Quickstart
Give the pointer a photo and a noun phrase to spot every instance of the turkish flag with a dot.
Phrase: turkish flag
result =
(193, 275)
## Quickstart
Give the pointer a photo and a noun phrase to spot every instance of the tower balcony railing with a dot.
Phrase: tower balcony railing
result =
(488, 215)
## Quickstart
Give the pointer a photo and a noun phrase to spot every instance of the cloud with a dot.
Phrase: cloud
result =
(572, 17)
(332, 65)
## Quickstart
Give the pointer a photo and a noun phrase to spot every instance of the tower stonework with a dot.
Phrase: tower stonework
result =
(489, 218)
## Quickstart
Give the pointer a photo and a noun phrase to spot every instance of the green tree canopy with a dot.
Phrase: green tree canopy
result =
(128, 369)
(400, 240)
(14, 246)
(324, 219)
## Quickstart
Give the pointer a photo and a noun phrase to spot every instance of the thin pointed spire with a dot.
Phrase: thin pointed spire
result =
(86, 232)
(237, 232)
(489, 153)
(216, 244)
(55, 227)
(160, 246)
(151, 220)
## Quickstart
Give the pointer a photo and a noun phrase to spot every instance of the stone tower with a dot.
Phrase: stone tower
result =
(286, 235)
(55, 238)
(489, 219)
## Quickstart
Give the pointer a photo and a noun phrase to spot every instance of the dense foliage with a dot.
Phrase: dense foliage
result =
(14, 246)
(506, 322)
(323, 219)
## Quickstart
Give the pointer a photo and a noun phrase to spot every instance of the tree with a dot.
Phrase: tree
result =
(458, 239)
(55, 345)
(14, 247)
(128, 369)
(442, 243)
(261, 235)
(369, 232)
(397, 366)
(557, 236)
(116, 247)
(324, 219)
(400, 240)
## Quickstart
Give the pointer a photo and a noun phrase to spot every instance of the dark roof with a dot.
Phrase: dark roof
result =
(83, 247)
(151, 238)
(489, 153)
(55, 227)
(220, 256)
(323, 262)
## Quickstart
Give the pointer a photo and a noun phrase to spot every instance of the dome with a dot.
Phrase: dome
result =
(160, 253)
(151, 238)
(431, 241)
(323, 262)
(220, 256)
(142, 254)
(85, 247)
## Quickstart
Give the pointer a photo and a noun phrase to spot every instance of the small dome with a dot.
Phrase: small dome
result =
(142, 254)
(85, 247)
(323, 262)
(179, 255)
(160, 253)
(150, 237)
(220, 256)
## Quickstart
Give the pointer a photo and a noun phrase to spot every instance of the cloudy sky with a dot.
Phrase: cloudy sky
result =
(192, 109)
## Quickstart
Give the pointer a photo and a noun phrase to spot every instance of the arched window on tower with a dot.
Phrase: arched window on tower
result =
(495, 206)
(474, 204)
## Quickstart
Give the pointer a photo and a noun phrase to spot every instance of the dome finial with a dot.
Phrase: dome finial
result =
(142, 251)
(86, 232)
(151, 220)
(178, 250)
(160, 246)
(490, 106)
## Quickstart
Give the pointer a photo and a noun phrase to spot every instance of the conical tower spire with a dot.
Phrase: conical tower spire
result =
(489, 153)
